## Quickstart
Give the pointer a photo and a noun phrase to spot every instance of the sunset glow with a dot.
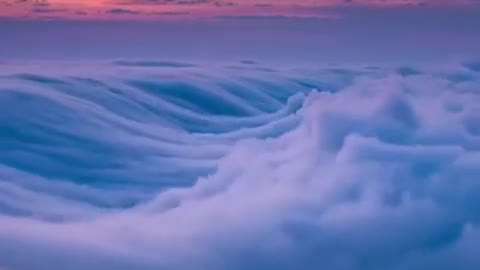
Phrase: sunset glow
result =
(193, 9)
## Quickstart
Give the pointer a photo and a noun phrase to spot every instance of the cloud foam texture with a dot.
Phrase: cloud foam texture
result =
(125, 167)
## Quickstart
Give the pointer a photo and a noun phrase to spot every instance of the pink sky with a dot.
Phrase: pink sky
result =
(182, 9)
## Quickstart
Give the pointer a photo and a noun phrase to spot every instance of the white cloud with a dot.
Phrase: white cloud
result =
(379, 173)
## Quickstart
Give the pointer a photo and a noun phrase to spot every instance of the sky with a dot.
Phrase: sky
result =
(197, 9)
(306, 30)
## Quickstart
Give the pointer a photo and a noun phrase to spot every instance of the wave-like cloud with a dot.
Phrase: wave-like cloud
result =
(195, 169)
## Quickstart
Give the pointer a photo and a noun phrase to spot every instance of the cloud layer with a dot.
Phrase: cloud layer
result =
(155, 166)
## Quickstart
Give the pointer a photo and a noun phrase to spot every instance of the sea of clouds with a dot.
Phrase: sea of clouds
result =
(165, 165)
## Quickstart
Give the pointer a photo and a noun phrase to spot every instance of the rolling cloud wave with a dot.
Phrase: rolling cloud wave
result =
(161, 167)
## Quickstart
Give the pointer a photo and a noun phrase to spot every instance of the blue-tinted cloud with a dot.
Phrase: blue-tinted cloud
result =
(116, 167)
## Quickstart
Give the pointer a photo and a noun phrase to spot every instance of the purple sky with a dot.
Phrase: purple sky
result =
(357, 32)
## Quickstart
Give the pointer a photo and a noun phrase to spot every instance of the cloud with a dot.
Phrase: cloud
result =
(408, 71)
(264, 5)
(153, 64)
(248, 62)
(81, 12)
(256, 68)
(473, 65)
(165, 2)
(48, 10)
(239, 169)
(225, 4)
(169, 13)
(121, 11)
(269, 17)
